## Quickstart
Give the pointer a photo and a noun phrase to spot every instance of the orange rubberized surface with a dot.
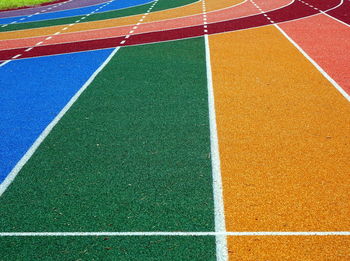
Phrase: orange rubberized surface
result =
(284, 136)
(304, 248)
(325, 40)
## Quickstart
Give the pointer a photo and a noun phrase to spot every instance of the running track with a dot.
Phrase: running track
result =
(300, 98)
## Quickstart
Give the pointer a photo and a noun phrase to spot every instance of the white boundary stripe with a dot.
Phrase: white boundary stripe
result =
(10, 178)
(121, 234)
(220, 227)
(330, 79)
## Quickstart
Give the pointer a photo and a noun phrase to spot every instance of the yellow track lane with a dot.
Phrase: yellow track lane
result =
(191, 9)
(284, 137)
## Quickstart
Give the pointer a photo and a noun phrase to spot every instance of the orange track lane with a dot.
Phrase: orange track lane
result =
(224, 14)
(327, 42)
(304, 248)
(284, 136)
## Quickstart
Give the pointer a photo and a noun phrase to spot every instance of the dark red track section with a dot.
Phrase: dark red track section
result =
(26, 7)
(342, 12)
(294, 11)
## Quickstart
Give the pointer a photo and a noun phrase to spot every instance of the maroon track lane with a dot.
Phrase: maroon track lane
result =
(294, 11)
(342, 12)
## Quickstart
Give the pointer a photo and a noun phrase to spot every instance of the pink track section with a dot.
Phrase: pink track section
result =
(326, 41)
(244, 9)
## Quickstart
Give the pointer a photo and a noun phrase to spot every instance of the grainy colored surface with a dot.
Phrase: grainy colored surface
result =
(289, 248)
(284, 141)
(133, 152)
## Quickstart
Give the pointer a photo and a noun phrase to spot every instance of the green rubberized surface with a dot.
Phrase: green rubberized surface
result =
(161, 5)
(108, 248)
(132, 154)
(6, 4)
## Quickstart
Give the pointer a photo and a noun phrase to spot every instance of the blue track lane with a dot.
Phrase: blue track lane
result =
(116, 5)
(33, 92)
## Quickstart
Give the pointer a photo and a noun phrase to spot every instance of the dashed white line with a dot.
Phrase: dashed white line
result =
(16, 56)
(138, 23)
(262, 12)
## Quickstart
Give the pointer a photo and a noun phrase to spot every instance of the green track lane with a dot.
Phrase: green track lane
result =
(108, 248)
(132, 154)
(161, 5)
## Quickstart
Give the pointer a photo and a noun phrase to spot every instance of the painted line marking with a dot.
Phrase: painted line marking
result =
(325, 12)
(330, 79)
(81, 234)
(219, 212)
(319, 68)
(16, 56)
(138, 23)
(262, 12)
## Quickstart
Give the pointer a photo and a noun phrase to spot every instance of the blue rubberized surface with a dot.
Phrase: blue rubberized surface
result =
(33, 91)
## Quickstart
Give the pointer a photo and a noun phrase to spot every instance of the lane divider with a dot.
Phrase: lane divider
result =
(37, 13)
(219, 210)
(205, 22)
(132, 31)
(57, 33)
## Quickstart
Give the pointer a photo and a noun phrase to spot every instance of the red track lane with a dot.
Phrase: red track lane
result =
(291, 12)
(26, 7)
(342, 12)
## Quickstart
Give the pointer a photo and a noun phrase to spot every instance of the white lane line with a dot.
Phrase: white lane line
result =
(16, 56)
(219, 213)
(10, 178)
(121, 234)
(29, 49)
(262, 12)
(132, 31)
(329, 78)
